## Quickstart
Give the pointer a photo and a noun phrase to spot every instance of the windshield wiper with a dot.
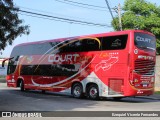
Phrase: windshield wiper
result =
(143, 47)
(3, 62)
(151, 48)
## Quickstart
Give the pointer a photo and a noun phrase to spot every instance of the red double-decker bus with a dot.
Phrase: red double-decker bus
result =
(115, 64)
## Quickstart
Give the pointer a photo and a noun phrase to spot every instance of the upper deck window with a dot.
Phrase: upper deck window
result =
(114, 42)
(117, 42)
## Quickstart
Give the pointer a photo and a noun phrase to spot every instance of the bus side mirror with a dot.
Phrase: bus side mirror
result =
(3, 63)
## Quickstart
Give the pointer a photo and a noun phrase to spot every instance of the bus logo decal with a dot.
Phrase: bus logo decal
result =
(139, 38)
(107, 64)
(60, 58)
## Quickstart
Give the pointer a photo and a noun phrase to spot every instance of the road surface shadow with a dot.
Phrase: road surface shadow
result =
(53, 95)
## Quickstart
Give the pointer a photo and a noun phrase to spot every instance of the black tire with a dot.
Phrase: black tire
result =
(77, 90)
(93, 92)
(22, 85)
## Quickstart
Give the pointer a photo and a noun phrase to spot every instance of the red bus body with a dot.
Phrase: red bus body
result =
(116, 63)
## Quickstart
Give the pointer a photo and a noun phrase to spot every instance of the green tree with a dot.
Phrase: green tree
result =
(10, 24)
(140, 14)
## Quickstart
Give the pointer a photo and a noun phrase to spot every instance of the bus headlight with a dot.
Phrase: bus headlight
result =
(135, 80)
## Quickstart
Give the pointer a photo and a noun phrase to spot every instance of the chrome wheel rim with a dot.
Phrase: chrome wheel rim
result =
(93, 92)
(77, 91)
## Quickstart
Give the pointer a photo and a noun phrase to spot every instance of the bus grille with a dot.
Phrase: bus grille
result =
(144, 67)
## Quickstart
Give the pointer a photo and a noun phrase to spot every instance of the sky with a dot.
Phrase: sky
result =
(45, 29)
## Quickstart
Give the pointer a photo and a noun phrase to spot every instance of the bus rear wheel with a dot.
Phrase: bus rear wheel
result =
(77, 90)
(93, 92)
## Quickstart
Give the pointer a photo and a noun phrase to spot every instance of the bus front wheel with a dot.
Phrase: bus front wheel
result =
(77, 90)
(22, 85)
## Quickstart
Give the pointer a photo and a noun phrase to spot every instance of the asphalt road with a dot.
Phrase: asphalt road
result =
(12, 99)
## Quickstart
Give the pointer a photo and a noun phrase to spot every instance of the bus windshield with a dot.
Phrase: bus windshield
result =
(145, 41)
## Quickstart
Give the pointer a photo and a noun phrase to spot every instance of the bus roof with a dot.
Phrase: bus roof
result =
(91, 35)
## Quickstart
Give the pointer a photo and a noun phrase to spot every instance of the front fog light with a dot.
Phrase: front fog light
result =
(135, 80)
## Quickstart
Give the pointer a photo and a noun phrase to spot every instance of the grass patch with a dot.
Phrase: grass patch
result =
(157, 92)
(2, 76)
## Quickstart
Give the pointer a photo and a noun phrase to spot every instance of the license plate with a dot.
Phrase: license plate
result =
(144, 85)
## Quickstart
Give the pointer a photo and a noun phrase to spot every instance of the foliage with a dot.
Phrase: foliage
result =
(157, 92)
(10, 24)
(140, 14)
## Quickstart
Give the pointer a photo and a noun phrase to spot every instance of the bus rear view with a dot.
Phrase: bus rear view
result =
(142, 72)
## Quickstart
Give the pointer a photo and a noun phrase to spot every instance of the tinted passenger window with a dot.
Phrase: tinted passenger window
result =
(71, 46)
(56, 70)
(35, 49)
(27, 70)
(114, 42)
(83, 45)
(22, 50)
(90, 45)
